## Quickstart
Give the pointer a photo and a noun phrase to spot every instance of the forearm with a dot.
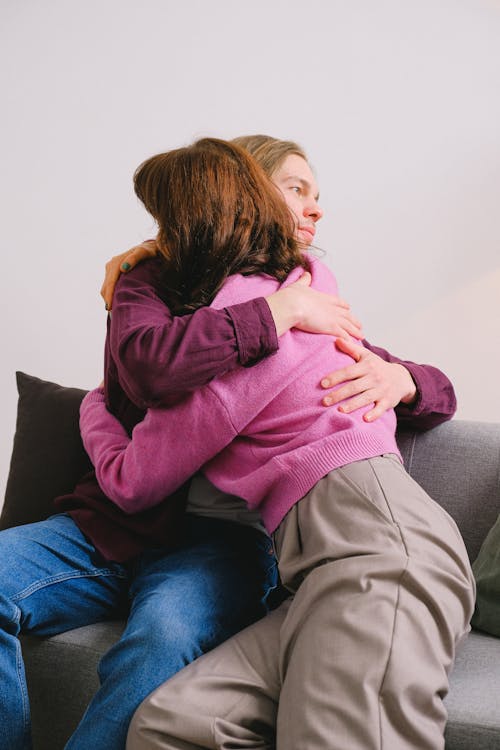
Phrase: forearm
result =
(140, 471)
(435, 400)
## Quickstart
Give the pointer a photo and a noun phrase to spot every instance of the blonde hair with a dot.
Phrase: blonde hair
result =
(269, 152)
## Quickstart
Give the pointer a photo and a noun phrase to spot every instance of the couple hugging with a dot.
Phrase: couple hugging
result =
(248, 493)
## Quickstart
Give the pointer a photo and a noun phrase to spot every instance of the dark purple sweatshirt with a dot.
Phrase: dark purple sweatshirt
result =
(153, 358)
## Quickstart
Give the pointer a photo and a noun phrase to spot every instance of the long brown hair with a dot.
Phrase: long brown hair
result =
(218, 214)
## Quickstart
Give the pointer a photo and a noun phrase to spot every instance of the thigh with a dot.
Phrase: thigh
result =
(438, 577)
(52, 578)
(334, 649)
(369, 507)
(227, 698)
(384, 593)
(214, 585)
(183, 603)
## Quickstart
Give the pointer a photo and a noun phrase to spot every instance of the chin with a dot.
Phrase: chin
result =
(305, 241)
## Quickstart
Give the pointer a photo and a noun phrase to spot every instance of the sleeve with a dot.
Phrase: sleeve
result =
(159, 357)
(435, 401)
(140, 471)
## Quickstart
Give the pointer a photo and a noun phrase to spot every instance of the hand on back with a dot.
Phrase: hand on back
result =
(123, 263)
(370, 379)
(299, 306)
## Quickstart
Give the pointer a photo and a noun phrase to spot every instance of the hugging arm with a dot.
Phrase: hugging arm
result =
(422, 395)
(434, 401)
(161, 357)
(140, 471)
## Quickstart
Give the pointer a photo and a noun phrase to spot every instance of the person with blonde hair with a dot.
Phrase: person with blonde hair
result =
(198, 567)
(376, 570)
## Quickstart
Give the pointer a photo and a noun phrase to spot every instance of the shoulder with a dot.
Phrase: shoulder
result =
(147, 273)
(143, 284)
(238, 288)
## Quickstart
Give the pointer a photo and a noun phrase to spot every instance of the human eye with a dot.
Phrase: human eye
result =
(296, 189)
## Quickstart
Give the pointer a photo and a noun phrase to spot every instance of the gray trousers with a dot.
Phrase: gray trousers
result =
(358, 657)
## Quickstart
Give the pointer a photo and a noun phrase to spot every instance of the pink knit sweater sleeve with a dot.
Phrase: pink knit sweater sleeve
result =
(140, 471)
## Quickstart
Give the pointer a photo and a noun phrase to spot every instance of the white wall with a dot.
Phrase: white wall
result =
(396, 101)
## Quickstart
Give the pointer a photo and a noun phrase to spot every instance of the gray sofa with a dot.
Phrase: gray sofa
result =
(458, 463)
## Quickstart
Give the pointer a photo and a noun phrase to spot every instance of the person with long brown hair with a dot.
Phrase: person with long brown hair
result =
(235, 222)
(354, 534)
(186, 581)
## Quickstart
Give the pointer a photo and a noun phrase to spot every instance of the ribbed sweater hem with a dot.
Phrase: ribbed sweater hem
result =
(294, 475)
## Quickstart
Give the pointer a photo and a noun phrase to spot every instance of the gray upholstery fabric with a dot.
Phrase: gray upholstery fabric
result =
(458, 464)
(473, 702)
(62, 678)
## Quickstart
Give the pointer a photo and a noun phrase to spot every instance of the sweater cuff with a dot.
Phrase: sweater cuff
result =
(255, 330)
(417, 406)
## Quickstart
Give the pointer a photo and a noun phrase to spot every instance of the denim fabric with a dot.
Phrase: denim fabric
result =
(181, 604)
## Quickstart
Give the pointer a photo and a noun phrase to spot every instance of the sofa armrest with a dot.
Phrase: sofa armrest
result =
(458, 464)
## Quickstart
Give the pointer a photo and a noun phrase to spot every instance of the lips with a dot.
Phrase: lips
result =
(308, 230)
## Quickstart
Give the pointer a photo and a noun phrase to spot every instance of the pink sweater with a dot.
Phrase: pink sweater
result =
(260, 433)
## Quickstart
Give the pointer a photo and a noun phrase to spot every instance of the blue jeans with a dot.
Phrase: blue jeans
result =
(181, 604)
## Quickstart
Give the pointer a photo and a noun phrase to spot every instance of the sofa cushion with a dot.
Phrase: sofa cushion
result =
(62, 677)
(457, 464)
(48, 456)
(472, 703)
(486, 569)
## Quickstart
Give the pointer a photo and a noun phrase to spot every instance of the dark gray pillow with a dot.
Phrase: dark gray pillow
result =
(48, 457)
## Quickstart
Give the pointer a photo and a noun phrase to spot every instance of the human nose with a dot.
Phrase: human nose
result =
(313, 210)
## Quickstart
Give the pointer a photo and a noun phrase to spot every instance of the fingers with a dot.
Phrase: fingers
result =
(349, 347)
(317, 312)
(362, 399)
(353, 372)
(131, 259)
(112, 275)
(365, 399)
(349, 390)
(379, 409)
(340, 376)
(370, 381)
(123, 263)
(345, 325)
(357, 386)
(352, 327)
(359, 401)
(137, 254)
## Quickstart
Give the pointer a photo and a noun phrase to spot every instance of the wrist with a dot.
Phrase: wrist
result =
(286, 310)
(410, 393)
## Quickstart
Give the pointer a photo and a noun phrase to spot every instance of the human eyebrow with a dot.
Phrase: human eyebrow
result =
(304, 183)
(296, 178)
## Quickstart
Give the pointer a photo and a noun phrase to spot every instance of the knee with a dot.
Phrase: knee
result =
(167, 626)
(156, 644)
